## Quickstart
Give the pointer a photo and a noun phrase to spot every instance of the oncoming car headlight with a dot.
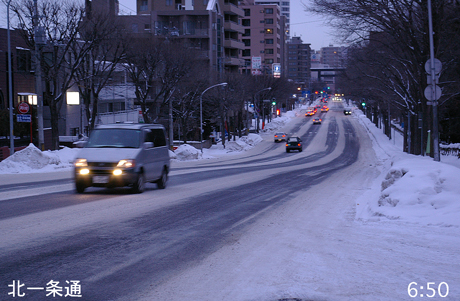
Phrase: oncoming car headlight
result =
(126, 163)
(81, 163)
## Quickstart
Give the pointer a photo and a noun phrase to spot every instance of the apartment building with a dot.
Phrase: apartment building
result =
(263, 37)
(285, 8)
(299, 61)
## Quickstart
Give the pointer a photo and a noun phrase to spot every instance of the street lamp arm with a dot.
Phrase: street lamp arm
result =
(201, 112)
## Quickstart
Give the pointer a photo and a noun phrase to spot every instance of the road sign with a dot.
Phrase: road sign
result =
(23, 108)
(23, 118)
(432, 96)
(437, 66)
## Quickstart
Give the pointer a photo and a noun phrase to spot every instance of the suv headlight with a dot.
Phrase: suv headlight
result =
(126, 163)
(81, 163)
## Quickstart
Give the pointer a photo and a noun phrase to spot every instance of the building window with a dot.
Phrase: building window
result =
(285, 9)
(147, 27)
(246, 22)
(247, 12)
(24, 61)
(169, 2)
(247, 33)
(247, 42)
(284, 3)
(134, 27)
(269, 31)
(269, 11)
(268, 21)
(205, 2)
(269, 61)
(144, 5)
(268, 41)
(269, 51)
(246, 52)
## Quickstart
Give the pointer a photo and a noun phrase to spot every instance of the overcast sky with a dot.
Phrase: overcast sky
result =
(309, 27)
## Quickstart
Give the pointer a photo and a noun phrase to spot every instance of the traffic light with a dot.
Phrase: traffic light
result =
(274, 101)
(363, 104)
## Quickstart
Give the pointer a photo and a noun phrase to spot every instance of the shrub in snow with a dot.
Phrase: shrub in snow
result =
(392, 176)
(187, 152)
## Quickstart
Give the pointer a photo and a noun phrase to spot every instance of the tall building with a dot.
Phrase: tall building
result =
(285, 8)
(211, 27)
(263, 37)
(332, 56)
(299, 62)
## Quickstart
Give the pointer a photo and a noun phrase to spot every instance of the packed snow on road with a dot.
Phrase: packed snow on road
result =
(385, 228)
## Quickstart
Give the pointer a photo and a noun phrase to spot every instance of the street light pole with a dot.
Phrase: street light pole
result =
(201, 112)
(10, 79)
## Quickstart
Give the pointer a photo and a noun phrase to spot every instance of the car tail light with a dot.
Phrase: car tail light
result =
(287, 144)
(284, 135)
(298, 144)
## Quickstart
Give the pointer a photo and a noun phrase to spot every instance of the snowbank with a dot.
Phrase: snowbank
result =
(31, 159)
(411, 188)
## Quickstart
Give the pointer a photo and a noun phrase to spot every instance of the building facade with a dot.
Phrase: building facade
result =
(263, 38)
(299, 62)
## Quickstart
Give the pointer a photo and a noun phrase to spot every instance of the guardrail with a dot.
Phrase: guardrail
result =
(452, 149)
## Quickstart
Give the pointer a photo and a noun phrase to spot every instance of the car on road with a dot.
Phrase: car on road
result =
(310, 113)
(280, 137)
(317, 120)
(293, 143)
(324, 108)
(122, 154)
(347, 111)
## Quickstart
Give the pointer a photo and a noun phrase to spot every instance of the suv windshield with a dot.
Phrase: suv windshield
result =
(119, 138)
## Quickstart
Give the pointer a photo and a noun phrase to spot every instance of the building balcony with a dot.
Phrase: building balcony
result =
(233, 9)
(230, 43)
(233, 26)
(234, 61)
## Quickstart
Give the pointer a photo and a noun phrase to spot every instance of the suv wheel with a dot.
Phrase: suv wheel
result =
(161, 183)
(79, 187)
(139, 185)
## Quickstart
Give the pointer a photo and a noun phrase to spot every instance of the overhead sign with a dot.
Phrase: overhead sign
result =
(23, 118)
(23, 108)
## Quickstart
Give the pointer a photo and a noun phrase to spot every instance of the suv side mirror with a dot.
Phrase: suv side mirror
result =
(148, 144)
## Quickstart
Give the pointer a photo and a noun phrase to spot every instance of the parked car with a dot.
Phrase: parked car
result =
(119, 155)
(293, 143)
(280, 137)
(317, 120)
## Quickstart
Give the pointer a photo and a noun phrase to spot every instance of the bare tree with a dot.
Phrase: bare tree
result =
(395, 34)
(108, 50)
(64, 52)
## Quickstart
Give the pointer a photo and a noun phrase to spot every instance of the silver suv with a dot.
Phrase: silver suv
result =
(118, 155)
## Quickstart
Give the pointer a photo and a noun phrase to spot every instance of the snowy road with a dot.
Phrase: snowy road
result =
(262, 225)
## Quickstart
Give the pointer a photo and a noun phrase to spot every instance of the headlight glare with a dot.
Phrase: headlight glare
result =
(126, 163)
(81, 163)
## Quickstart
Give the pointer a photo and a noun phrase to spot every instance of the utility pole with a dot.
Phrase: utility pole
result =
(39, 40)
(10, 81)
(434, 95)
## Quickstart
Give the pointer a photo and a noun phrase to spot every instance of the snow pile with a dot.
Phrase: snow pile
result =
(251, 139)
(187, 152)
(31, 159)
(412, 188)
(279, 122)
(420, 190)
